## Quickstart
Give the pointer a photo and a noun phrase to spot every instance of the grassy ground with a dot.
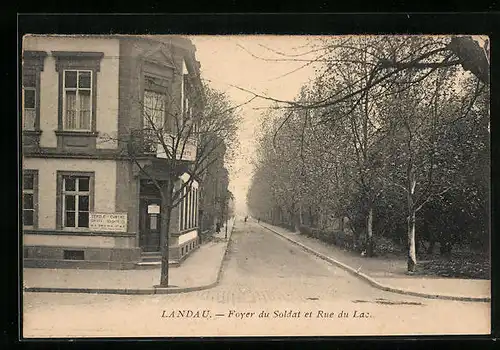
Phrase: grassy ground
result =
(461, 264)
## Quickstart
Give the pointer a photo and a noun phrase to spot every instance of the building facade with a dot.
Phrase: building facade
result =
(214, 192)
(84, 98)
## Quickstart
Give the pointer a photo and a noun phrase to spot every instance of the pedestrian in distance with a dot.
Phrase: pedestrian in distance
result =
(217, 227)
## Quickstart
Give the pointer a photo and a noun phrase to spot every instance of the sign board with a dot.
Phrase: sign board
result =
(153, 209)
(108, 222)
(185, 178)
(188, 154)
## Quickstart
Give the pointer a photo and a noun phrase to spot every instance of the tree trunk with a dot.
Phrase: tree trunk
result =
(295, 221)
(311, 217)
(430, 248)
(321, 218)
(412, 254)
(292, 219)
(166, 212)
(445, 249)
(369, 233)
(301, 218)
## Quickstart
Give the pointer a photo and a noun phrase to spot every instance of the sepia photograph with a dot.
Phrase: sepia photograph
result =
(254, 185)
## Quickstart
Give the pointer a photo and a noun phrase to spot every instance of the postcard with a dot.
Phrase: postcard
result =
(255, 185)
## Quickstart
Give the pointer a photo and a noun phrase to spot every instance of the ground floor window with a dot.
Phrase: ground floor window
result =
(189, 209)
(75, 199)
(30, 198)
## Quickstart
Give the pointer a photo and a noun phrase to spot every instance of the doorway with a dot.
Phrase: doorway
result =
(150, 224)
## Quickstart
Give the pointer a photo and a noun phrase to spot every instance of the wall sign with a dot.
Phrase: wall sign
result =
(109, 222)
(153, 209)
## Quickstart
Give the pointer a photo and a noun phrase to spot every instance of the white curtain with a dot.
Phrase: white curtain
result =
(70, 110)
(84, 109)
(154, 109)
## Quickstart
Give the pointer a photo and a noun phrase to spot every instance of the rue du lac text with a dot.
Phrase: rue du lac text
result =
(242, 315)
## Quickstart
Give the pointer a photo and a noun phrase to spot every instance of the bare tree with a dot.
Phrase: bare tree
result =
(433, 53)
(180, 133)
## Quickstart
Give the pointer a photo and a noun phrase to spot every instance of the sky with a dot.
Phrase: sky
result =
(228, 61)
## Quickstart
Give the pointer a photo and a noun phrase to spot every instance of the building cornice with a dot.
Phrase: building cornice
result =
(73, 59)
(49, 152)
(78, 54)
(32, 54)
(99, 154)
(78, 233)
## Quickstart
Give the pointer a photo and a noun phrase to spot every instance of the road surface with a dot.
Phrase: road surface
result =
(269, 287)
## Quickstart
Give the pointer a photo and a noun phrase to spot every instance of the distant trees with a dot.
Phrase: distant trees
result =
(406, 158)
(215, 180)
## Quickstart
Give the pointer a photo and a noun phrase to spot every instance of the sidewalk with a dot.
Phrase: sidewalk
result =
(390, 275)
(201, 270)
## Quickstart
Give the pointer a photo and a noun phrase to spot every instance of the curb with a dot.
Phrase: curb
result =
(374, 282)
(141, 291)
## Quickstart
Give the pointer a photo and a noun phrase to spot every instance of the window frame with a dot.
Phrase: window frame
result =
(77, 89)
(60, 199)
(159, 94)
(188, 211)
(159, 85)
(35, 108)
(181, 211)
(195, 207)
(80, 61)
(33, 63)
(77, 193)
(185, 103)
(34, 192)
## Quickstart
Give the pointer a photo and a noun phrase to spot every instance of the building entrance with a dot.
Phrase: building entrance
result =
(149, 220)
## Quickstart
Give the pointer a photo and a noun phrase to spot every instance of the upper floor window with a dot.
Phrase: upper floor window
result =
(154, 118)
(185, 99)
(33, 62)
(154, 109)
(78, 73)
(196, 124)
(29, 100)
(77, 100)
(189, 119)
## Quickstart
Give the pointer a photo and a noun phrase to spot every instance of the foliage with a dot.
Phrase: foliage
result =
(458, 266)
(405, 162)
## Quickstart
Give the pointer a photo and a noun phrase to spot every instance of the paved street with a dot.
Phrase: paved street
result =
(263, 272)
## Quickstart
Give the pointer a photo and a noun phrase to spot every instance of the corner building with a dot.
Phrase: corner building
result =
(85, 203)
